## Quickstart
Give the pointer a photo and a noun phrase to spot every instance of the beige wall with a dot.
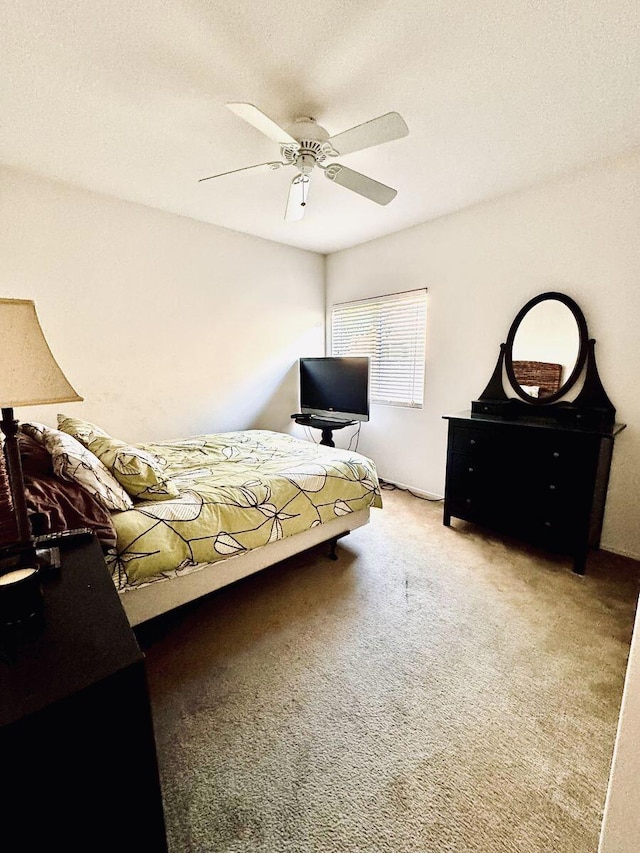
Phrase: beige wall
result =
(166, 326)
(577, 234)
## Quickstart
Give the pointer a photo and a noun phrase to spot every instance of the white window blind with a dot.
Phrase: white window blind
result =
(391, 331)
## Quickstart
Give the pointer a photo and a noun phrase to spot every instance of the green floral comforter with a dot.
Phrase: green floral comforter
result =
(238, 491)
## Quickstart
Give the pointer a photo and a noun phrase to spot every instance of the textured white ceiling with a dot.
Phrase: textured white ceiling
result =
(128, 98)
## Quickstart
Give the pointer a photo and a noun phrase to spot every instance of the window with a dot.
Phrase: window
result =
(390, 330)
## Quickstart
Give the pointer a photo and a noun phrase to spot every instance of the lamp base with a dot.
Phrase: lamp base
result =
(18, 555)
(23, 569)
(21, 600)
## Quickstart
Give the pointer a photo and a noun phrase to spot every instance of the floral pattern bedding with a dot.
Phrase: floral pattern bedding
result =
(237, 491)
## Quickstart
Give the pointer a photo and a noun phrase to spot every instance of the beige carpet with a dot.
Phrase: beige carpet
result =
(436, 689)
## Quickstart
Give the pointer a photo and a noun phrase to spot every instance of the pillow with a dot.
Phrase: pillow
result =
(73, 462)
(64, 505)
(83, 431)
(139, 472)
(531, 390)
(36, 459)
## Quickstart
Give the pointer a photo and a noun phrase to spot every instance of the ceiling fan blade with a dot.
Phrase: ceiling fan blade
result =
(262, 123)
(272, 166)
(382, 129)
(297, 200)
(361, 184)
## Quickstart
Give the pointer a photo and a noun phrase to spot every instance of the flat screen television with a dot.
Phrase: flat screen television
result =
(335, 388)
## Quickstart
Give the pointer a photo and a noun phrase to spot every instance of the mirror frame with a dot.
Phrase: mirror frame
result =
(582, 350)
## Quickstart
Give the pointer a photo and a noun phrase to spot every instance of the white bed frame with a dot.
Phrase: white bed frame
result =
(145, 602)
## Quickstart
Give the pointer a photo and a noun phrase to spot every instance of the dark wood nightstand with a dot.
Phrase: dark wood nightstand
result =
(78, 767)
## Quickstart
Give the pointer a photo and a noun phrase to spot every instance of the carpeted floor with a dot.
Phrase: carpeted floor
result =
(436, 689)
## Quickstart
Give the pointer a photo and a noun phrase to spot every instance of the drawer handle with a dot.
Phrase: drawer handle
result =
(471, 470)
(547, 524)
(556, 454)
(467, 500)
(472, 441)
(552, 487)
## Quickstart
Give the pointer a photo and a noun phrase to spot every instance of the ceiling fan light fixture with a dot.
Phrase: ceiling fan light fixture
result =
(305, 163)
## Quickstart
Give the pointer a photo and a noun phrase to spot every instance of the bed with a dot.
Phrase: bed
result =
(179, 519)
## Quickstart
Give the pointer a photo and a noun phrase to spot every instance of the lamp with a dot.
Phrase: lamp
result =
(29, 376)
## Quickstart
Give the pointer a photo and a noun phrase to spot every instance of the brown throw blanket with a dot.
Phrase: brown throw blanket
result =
(58, 504)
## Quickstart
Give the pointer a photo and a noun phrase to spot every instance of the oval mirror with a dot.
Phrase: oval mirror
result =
(546, 348)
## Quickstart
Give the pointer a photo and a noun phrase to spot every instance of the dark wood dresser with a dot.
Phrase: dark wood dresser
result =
(79, 769)
(542, 482)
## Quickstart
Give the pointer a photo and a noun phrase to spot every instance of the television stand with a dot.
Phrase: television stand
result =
(325, 424)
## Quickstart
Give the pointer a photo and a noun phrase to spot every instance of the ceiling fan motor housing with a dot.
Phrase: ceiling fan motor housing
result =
(307, 128)
(311, 137)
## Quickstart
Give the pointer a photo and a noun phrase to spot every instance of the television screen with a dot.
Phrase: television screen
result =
(335, 388)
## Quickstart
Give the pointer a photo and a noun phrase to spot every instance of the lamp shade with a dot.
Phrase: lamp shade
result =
(29, 374)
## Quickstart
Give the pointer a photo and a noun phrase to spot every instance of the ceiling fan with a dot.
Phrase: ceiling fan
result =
(305, 145)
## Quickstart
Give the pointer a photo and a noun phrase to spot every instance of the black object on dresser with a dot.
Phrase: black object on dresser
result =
(79, 769)
(536, 466)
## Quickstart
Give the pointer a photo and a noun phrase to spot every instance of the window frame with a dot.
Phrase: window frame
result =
(414, 298)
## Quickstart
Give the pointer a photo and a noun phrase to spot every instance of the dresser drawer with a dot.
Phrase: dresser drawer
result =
(470, 440)
(470, 471)
(557, 494)
(474, 507)
(557, 451)
(556, 533)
